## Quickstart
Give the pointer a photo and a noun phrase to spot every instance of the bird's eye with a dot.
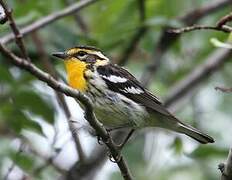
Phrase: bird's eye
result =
(81, 53)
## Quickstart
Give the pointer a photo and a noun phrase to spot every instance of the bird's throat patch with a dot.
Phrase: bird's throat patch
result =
(75, 73)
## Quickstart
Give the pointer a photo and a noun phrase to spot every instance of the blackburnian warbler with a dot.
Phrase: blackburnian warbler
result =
(119, 100)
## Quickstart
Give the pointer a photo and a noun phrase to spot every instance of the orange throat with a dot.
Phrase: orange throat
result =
(75, 74)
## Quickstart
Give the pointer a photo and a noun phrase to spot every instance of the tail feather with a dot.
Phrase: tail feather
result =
(194, 133)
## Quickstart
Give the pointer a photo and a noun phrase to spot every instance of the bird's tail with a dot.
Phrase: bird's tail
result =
(194, 133)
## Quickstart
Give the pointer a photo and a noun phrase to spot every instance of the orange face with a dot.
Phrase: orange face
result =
(75, 74)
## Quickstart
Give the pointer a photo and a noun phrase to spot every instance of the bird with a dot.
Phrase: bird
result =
(119, 100)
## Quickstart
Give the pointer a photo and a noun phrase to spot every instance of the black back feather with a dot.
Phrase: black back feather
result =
(145, 98)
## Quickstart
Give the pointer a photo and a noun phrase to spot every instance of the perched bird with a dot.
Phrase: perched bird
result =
(118, 98)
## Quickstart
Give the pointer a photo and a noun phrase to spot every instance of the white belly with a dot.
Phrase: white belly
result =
(115, 110)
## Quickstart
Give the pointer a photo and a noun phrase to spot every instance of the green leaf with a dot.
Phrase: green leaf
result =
(5, 75)
(177, 145)
(203, 152)
(18, 120)
(23, 160)
(29, 124)
(220, 44)
(230, 38)
(31, 101)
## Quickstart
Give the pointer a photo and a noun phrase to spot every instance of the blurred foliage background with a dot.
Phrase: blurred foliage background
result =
(31, 119)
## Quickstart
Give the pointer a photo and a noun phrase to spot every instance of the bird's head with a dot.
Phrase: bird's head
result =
(78, 61)
(85, 55)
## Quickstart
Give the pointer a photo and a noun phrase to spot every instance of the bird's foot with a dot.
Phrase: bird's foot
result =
(99, 140)
(114, 159)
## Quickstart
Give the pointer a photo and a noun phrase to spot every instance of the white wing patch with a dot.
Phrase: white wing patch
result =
(133, 90)
(115, 79)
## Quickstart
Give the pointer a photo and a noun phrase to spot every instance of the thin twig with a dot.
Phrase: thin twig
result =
(48, 19)
(223, 28)
(223, 89)
(225, 19)
(60, 97)
(226, 168)
(137, 36)
(17, 34)
(9, 171)
(220, 26)
(89, 114)
(94, 162)
(20, 150)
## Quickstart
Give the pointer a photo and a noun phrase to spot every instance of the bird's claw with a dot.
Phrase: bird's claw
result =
(99, 140)
(116, 159)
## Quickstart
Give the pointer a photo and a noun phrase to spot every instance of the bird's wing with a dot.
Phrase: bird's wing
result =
(121, 81)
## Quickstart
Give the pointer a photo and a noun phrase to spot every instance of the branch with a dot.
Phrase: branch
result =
(220, 26)
(137, 36)
(224, 28)
(201, 72)
(226, 168)
(60, 97)
(17, 35)
(223, 89)
(225, 19)
(48, 19)
(99, 128)
(94, 162)
(167, 39)
(49, 67)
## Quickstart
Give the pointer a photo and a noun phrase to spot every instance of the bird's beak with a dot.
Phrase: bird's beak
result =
(61, 55)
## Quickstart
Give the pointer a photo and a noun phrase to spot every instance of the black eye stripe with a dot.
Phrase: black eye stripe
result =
(81, 53)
